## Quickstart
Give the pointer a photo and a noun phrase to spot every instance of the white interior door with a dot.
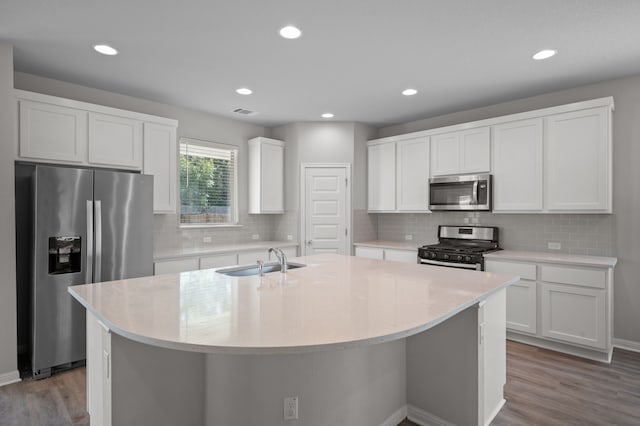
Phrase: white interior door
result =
(326, 210)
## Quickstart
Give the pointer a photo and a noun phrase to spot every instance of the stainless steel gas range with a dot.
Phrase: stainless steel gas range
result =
(460, 247)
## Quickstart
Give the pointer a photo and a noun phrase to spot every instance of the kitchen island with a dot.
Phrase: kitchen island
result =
(358, 341)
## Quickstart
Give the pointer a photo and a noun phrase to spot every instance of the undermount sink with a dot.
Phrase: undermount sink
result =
(243, 271)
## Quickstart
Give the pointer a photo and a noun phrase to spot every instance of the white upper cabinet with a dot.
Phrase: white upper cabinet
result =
(578, 161)
(517, 166)
(266, 176)
(412, 184)
(52, 132)
(398, 175)
(460, 152)
(381, 177)
(58, 130)
(115, 141)
(160, 160)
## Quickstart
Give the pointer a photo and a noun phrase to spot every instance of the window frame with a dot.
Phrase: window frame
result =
(234, 205)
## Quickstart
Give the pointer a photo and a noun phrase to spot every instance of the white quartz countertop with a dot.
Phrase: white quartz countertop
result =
(399, 245)
(334, 302)
(218, 249)
(542, 257)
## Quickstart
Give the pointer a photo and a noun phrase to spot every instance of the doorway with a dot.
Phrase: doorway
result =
(325, 202)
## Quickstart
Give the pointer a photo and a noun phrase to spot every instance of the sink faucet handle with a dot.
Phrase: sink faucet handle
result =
(260, 267)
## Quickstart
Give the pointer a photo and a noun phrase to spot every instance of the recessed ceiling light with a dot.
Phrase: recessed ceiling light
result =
(290, 32)
(327, 115)
(544, 54)
(409, 92)
(105, 49)
(244, 91)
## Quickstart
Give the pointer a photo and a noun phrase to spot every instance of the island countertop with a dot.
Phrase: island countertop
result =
(333, 302)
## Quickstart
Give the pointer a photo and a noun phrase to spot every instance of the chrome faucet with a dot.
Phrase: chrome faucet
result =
(260, 267)
(282, 259)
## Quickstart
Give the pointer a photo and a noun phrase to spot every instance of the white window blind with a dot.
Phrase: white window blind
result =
(208, 183)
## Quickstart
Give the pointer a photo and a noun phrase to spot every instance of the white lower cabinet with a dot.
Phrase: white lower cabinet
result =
(560, 306)
(98, 371)
(397, 255)
(175, 266)
(221, 260)
(574, 314)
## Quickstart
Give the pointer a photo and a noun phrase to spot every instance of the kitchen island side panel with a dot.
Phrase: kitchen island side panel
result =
(155, 386)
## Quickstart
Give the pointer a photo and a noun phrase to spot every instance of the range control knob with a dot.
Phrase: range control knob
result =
(467, 258)
(433, 255)
(459, 257)
(445, 257)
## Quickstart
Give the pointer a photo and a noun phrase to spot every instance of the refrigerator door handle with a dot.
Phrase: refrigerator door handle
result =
(89, 243)
(98, 234)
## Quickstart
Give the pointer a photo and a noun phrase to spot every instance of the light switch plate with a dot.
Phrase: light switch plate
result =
(554, 245)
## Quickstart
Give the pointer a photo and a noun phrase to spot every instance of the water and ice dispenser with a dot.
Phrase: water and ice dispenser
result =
(65, 255)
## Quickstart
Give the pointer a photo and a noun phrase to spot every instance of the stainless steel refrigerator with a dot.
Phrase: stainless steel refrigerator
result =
(86, 225)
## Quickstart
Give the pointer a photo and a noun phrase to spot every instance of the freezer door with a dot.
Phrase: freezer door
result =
(123, 225)
(61, 197)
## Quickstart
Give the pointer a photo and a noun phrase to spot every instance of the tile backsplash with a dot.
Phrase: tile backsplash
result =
(586, 234)
(169, 237)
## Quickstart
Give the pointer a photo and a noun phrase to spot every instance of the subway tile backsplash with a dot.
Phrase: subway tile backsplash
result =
(586, 234)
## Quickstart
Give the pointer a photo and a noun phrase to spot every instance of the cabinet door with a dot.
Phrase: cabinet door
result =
(370, 252)
(51, 132)
(413, 175)
(574, 314)
(382, 177)
(115, 141)
(174, 266)
(521, 306)
(475, 150)
(577, 161)
(250, 257)
(160, 159)
(517, 166)
(272, 178)
(219, 261)
(445, 154)
(405, 256)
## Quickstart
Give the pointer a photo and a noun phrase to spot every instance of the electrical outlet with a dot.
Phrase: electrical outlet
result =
(289, 237)
(291, 408)
(206, 239)
(255, 236)
(554, 246)
(408, 237)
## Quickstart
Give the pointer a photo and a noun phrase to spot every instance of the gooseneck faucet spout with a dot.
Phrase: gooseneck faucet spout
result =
(282, 259)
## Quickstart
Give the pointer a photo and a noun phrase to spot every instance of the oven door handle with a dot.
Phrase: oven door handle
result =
(474, 266)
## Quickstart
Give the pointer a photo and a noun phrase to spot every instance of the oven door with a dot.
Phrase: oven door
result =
(464, 192)
(470, 266)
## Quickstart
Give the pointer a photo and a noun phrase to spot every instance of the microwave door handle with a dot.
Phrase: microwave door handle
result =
(475, 193)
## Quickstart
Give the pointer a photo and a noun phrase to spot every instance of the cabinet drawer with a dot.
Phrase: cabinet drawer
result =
(526, 271)
(576, 276)
(218, 261)
(405, 256)
(173, 266)
(370, 252)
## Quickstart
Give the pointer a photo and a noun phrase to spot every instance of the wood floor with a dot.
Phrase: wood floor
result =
(543, 388)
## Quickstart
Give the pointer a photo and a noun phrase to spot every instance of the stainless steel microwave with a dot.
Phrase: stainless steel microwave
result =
(461, 192)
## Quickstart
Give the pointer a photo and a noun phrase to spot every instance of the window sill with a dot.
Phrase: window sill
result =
(207, 225)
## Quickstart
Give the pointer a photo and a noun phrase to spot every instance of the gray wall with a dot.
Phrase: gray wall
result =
(324, 142)
(193, 124)
(8, 349)
(608, 235)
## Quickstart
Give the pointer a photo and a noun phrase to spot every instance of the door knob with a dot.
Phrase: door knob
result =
(309, 242)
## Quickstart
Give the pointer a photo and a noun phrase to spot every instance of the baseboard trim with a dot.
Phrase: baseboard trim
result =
(8, 378)
(627, 345)
(423, 418)
(596, 355)
(495, 412)
(395, 418)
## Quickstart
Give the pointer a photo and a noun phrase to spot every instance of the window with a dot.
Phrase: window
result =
(208, 183)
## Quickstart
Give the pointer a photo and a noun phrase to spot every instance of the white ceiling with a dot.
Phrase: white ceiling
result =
(354, 58)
